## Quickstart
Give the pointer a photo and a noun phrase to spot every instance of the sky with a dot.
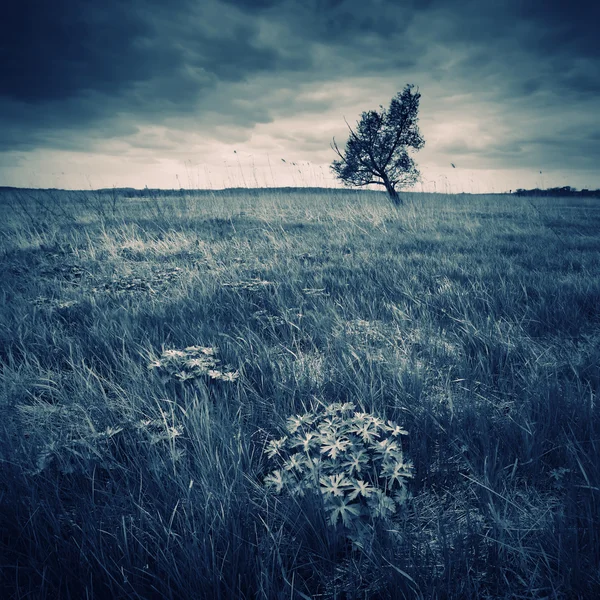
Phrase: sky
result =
(242, 93)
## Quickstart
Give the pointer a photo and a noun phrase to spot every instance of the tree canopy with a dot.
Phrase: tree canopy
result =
(377, 149)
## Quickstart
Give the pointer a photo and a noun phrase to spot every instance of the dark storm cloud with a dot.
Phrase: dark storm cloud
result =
(569, 25)
(53, 50)
(77, 71)
(77, 64)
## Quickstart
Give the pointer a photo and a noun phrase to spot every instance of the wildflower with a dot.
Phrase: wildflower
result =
(397, 472)
(377, 422)
(110, 432)
(306, 441)
(382, 506)
(207, 351)
(196, 363)
(330, 423)
(402, 495)
(173, 354)
(275, 480)
(366, 431)
(296, 462)
(344, 510)
(360, 488)
(387, 447)
(558, 474)
(295, 422)
(333, 446)
(356, 462)
(171, 433)
(350, 459)
(315, 463)
(395, 430)
(337, 407)
(275, 446)
(229, 376)
(192, 363)
(361, 416)
(333, 484)
(184, 375)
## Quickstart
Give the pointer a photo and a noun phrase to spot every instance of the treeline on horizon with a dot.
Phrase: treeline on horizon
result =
(130, 192)
(566, 190)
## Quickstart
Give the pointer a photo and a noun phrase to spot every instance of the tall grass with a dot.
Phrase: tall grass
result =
(472, 321)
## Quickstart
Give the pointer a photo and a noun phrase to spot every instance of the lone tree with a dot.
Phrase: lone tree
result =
(377, 152)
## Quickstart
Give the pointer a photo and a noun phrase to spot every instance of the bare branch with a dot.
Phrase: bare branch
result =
(334, 147)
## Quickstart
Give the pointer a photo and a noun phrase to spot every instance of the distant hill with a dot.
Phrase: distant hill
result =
(130, 192)
(151, 192)
(135, 193)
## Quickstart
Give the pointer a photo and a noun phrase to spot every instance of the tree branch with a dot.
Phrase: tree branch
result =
(335, 148)
(372, 167)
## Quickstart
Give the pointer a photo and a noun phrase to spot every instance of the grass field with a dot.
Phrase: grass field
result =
(473, 322)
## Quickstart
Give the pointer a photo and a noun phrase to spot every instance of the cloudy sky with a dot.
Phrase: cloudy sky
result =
(219, 93)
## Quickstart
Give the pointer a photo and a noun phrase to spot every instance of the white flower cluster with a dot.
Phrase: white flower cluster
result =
(354, 460)
(193, 363)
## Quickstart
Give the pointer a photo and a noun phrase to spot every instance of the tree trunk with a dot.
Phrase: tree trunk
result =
(393, 194)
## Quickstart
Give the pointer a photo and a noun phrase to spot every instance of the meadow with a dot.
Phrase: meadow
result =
(131, 467)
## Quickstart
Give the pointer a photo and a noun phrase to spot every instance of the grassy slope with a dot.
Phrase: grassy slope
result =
(472, 321)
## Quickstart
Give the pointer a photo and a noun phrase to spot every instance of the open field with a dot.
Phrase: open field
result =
(471, 321)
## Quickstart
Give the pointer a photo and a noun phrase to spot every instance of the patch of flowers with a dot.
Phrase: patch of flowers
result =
(265, 318)
(70, 273)
(352, 460)
(191, 364)
(78, 449)
(43, 301)
(158, 278)
(316, 292)
(252, 285)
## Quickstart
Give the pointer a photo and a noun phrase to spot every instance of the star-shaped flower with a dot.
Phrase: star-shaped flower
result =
(342, 508)
(333, 485)
(275, 446)
(387, 447)
(356, 461)
(296, 462)
(360, 488)
(306, 441)
(333, 446)
(275, 480)
(395, 430)
(365, 430)
(381, 505)
(297, 421)
(397, 471)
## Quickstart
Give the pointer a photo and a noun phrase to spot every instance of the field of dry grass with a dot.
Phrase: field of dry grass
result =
(471, 321)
